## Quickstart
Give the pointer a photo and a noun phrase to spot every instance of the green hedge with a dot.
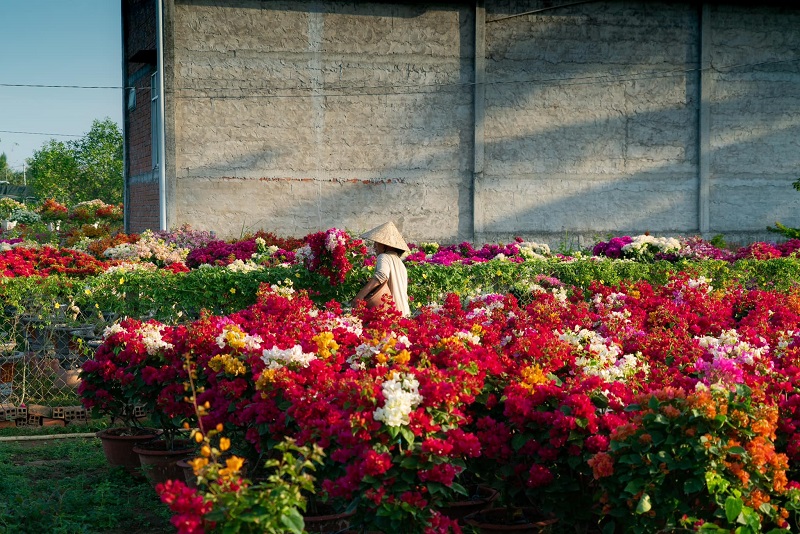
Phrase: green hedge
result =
(169, 297)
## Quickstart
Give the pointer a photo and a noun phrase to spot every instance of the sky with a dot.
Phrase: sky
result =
(56, 42)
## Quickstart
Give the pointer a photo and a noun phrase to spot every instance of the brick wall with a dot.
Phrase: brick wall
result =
(143, 206)
(141, 182)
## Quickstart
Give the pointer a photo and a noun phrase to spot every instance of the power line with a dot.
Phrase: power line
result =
(38, 85)
(41, 133)
(399, 89)
(419, 88)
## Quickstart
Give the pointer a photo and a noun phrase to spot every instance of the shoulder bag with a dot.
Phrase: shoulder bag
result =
(375, 297)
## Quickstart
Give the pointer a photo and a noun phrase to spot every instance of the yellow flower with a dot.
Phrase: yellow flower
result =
(56, 305)
(232, 466)
(402, 357)
(198, 464)
(533, 376)
(228, 363)
(205, 450)
(381, 357)
(325, 344)
(224, 444)
(233, 290)
(198, 437)
(234, 336)
(122, 280)
(267, 376)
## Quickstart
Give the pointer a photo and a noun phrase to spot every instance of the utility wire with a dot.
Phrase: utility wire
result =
(540, 10)
(40, 133)
(37, 85)
(398, 89)
(420, 88)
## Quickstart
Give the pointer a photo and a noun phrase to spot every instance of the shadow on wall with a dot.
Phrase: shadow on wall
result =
(575, 143)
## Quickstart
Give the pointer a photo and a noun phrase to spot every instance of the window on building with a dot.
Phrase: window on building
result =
(155, 121)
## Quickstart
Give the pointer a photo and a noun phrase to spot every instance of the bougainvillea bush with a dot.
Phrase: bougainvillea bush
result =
(633, 406)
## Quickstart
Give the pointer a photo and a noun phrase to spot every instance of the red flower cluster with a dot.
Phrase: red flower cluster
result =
(531, 399)
(331, 253)
(52, 210)
(47, 260)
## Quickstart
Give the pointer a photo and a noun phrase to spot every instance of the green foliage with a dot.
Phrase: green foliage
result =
(787, 232)
(7, 174)
(687, 462)
(719, 241)
(86, 169)
(273, 505)
(172, 297)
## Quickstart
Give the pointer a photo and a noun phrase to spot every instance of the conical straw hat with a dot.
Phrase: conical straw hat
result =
(387, 234)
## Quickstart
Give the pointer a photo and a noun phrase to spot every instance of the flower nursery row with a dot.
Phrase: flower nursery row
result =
(173, 275)
(630, 407)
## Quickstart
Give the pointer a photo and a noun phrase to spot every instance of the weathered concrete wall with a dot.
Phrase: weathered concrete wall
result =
(590, 121)
(755, 119)
(298, 116)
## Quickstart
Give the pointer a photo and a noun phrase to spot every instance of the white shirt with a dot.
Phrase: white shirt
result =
(390, 267)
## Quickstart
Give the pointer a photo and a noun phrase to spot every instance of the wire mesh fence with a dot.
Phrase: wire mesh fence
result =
(40, 360)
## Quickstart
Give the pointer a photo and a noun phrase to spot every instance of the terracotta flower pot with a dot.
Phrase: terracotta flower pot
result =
(159, 463)
(329, 523)
(188, 472)
(517, 520)
(480, 497)
(118, 444)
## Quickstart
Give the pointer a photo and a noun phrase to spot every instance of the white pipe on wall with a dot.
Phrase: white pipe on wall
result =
(162, 171)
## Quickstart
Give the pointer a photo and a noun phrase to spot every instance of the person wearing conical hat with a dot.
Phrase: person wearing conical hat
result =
(390, 247)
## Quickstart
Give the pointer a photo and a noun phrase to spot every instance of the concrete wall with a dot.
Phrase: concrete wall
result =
(300, 116)
(597, 118)
(585, 134)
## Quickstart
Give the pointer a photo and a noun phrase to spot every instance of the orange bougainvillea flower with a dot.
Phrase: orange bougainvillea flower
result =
(602, 465)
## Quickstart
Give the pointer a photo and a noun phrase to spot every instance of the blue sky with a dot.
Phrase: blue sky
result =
(56, 42)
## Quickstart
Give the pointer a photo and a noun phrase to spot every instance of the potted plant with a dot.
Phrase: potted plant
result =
(7, 206)
(133, 372)
(52, 213)
(102, 390)
(155, 378)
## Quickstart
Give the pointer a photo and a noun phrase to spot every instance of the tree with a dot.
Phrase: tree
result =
(5, 170)
(76, 171)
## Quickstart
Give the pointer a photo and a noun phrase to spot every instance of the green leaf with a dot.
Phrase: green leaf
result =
(633, 487)
(518, 441)
(293, 521)
(766, 508)
(692, 485)
(458, 488)
(733, 507)
(407, 434)
(409, 462)
(631, 459)
(644, 504)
